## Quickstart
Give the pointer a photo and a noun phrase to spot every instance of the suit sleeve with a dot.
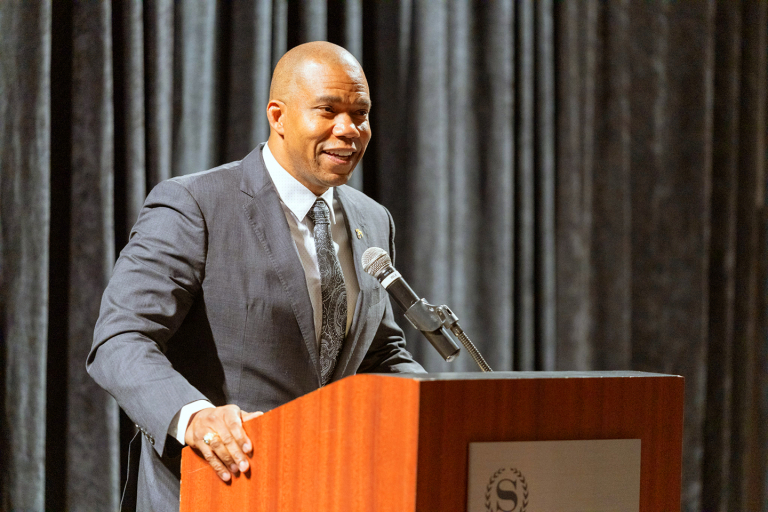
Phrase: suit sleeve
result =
(388, 353)
(154, 283)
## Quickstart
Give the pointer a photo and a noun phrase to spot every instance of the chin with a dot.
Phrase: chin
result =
(339, 178)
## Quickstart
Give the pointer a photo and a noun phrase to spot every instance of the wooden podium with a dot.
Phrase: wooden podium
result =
(400, 443)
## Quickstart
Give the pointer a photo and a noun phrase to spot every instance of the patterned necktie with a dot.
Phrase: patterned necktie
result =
(333, 291)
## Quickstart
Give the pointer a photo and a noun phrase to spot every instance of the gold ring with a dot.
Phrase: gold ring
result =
(208, 438)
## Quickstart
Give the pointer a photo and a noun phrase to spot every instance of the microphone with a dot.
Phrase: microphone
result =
(433, 322)
(437, 323)
(377, 263)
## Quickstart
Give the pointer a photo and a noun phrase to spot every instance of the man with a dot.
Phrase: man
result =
(241, 287)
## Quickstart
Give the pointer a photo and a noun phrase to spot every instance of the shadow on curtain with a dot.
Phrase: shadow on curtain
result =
(582, 182)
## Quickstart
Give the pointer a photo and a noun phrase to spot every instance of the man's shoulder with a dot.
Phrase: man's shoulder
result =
(226, 174)
(203, 186)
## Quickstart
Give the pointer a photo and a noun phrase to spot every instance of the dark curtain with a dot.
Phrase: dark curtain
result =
(661, 219)
(582, 182)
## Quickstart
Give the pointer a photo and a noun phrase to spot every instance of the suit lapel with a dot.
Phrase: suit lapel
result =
(268, 220)
(355, 219)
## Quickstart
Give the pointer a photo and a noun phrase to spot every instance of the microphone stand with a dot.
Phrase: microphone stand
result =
(441, 327)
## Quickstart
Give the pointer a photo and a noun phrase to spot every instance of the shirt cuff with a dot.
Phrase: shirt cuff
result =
(178, 427)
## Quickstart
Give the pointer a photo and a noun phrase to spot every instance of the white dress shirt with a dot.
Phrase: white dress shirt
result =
(296, 201)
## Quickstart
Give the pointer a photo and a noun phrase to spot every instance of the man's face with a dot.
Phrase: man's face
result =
(325, 124)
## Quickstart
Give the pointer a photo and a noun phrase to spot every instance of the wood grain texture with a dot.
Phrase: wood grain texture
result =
(350, 446)
(377, 443)
(454, 413)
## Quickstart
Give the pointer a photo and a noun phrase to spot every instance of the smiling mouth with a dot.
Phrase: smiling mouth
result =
(340, 155)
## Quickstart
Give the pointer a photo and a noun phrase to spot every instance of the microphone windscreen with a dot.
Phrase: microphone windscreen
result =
(374, 259)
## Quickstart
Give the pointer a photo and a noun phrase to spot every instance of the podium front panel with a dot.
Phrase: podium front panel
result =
(548, 406)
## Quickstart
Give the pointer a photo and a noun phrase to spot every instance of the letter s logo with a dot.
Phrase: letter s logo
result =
(505, 492)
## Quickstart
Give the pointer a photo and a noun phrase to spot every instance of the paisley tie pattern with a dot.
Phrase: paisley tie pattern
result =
(332, 288)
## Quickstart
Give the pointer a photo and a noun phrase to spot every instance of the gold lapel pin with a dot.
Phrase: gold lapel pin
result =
(359, 234)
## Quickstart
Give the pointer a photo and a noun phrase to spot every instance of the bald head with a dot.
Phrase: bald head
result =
(306, 60)
(318, 115)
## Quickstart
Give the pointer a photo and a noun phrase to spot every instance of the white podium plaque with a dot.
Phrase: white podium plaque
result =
(555, 476)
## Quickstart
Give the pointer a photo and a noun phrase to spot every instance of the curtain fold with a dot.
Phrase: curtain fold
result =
(249, 73)
(195, 82)
(92, 434)
(612, 194)
(463, 187)
(312, 20)
(25, 123)
(525, 327)
(130, 129)
(577, 46)
(725, 151)
(748, 438)
(159, 65)
(545, 188)
(493, 271)
(582, 183)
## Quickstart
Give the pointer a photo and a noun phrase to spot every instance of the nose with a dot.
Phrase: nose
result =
(345, 127)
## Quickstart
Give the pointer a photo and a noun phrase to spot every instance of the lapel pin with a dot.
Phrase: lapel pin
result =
(359, 234)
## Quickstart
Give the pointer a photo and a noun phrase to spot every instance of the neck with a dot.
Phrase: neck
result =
(277, 148)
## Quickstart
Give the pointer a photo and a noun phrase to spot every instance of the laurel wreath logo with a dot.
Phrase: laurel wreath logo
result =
(520, 478)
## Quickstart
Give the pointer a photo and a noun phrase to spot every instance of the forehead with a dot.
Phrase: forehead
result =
(341, 79)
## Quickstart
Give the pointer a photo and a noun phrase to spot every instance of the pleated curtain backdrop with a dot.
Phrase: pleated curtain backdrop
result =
(661, 250)
(582, 182)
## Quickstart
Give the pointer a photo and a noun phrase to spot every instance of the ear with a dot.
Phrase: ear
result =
(275, 115)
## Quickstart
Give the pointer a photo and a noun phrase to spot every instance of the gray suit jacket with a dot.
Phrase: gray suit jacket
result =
(208, 301)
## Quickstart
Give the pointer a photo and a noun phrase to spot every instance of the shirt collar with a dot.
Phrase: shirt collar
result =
(298, 198)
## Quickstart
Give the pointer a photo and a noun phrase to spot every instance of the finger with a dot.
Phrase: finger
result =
(214, 461)
(221, 452)
(245, 416)
(234, 438)
(223, 445)
(250, 415)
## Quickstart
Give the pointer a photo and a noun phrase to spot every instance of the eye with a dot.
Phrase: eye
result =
(327, 109)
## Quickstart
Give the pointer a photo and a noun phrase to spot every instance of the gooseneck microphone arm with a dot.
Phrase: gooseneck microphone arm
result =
(438, 323)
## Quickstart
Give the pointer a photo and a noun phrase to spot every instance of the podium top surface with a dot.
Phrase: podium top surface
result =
(523, 375)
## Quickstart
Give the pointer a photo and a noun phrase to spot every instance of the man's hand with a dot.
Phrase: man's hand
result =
(229, 445)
